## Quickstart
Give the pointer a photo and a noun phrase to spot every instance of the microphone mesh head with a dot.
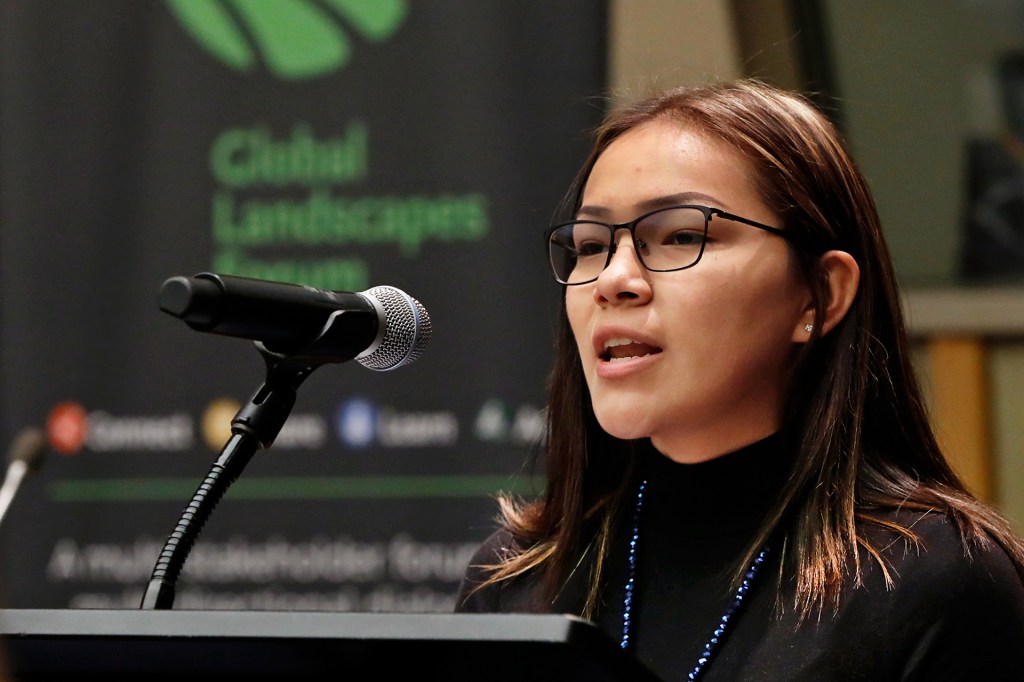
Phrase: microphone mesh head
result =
(28, 447)
(406, 329)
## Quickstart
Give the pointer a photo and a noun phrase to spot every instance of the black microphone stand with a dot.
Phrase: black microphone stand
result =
(255, 426)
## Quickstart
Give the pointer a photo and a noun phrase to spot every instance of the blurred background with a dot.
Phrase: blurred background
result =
(930, 94)
(344, 144)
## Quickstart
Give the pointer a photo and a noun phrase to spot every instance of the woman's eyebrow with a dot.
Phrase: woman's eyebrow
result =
(600, 211)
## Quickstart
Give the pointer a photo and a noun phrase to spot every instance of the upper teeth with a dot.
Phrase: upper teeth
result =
(622, 341)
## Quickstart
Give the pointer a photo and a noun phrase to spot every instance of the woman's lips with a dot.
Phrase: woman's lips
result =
(625, 366)
(625, 348)
(620, 354)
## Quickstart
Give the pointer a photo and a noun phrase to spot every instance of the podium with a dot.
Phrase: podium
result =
(54, 644)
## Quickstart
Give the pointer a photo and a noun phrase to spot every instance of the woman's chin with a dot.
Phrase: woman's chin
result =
(623, 428)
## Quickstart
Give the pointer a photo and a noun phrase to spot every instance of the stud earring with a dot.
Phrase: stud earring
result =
(808, 328)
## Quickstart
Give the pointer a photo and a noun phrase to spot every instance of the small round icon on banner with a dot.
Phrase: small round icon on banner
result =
(216, 422)
(492, 421)
(356, 423)
(67, 427)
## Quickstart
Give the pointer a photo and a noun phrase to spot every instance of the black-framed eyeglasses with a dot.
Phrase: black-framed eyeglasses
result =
(666, 239)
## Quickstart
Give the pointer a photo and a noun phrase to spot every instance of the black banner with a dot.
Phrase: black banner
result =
(340, 144)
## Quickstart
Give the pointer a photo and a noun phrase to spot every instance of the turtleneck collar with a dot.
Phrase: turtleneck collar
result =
(729, 493)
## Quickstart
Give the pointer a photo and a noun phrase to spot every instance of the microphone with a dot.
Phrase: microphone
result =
(382, 328)
(25, 455)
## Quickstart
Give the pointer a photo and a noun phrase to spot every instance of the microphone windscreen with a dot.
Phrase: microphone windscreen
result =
(29, 447)
(407, 329)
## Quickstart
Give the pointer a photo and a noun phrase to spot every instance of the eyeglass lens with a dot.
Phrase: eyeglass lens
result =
(670, 239)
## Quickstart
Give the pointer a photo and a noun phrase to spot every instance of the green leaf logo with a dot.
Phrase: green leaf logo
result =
(295, 39)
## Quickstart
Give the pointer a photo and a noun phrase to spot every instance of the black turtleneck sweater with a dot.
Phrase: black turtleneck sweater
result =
(945, 618)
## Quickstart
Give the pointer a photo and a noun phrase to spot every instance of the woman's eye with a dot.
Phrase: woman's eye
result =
(685, 238)
(590, 248)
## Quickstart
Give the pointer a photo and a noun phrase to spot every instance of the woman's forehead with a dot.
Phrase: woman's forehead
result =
(665, 161)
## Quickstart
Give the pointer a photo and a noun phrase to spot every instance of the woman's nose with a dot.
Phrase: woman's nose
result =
(625, 277)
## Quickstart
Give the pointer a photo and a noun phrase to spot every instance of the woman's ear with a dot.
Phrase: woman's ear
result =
(843, 280)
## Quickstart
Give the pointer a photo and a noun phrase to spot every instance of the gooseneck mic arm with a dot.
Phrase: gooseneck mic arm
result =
(255, 426)
(389, 330)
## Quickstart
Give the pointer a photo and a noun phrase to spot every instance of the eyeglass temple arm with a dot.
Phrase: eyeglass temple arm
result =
(789, 236)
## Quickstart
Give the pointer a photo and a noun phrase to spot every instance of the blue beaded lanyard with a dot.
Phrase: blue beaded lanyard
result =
(734, 605)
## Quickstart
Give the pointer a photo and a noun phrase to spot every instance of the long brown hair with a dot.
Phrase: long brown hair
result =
(854, 410)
